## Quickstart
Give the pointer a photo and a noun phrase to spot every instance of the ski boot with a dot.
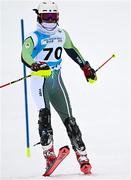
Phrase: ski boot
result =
(50, 157)
(82, 159)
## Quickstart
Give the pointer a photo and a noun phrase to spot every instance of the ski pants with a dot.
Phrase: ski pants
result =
(52, 90)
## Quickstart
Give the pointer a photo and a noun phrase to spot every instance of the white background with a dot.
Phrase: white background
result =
(102, 110)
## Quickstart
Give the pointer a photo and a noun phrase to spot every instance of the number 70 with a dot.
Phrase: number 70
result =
(57, 52)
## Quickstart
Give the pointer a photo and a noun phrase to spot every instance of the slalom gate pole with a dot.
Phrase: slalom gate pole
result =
(26, 98)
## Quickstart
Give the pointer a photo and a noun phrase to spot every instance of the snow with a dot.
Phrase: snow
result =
(102, 110)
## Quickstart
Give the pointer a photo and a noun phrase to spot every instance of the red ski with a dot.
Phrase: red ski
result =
(63, 152)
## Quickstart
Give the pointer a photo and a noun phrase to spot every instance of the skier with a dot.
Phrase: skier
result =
(45, 46)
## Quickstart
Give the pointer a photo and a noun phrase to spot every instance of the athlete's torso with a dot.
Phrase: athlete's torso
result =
(48, 48)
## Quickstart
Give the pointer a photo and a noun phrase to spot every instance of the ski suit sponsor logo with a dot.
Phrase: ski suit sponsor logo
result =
(51, 40)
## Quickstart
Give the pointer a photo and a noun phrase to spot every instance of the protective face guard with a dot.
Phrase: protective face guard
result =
(49, 17)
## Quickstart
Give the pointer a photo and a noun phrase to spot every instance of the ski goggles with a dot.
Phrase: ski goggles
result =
(48, 16)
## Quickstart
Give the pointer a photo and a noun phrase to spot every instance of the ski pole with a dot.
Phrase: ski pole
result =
(12, 82)
(91, 81)
(113, 56)
(41, 73)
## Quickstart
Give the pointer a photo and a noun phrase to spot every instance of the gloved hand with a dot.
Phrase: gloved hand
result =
(41, 70)
(89, 73)
(36, 66)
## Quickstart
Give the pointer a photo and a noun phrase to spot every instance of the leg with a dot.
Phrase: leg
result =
(60, 100)
(59, 97)
(61, 103)
(45, 129)
(39, 90)
(40, 95)
(74, 134)
(46, 136)
(78, 145)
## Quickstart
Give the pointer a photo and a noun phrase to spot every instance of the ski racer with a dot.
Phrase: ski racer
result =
(44, 46)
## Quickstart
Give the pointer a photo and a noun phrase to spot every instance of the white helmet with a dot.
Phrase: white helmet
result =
(47, 7)
(47, 10)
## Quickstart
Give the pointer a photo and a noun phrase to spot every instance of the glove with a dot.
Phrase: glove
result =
(36, 66)
(41, 70)
(89, 73)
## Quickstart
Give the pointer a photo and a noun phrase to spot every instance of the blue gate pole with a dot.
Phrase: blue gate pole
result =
(26, 98)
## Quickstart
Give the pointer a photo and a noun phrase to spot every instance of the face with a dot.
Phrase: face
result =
(49, 17)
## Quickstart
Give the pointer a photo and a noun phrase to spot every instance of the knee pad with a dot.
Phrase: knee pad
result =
(74, 133)
(44, 117)
(45, 129)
